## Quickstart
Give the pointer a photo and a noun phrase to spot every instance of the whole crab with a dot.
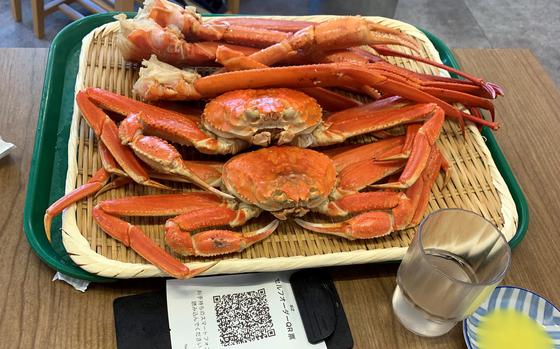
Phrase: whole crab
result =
(287, 182)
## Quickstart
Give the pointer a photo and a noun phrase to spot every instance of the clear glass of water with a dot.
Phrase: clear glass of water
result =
(454, 262)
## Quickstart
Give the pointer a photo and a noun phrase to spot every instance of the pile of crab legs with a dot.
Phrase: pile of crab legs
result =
(271, 91)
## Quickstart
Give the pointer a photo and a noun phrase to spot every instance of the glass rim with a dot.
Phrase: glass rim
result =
(496, 278)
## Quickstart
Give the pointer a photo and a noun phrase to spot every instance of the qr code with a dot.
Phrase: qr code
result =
(243, 317)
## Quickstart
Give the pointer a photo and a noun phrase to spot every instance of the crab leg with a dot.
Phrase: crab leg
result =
(347, 155)
(411, 131)
(156, 152)
(189, 23)
(263, 32)
(389, 147)
(366, 58)
(209, 172)
(324, 75)
(357, 29)
(409, 210)
(97, 184)
(140, 38)
(107, 131)
(409, 92)
(445, 91)
(360, 174)
(233, 60)
(134, 237)
(367, 118)
(422, 146)
(292, 26)
(164, 157)
(334, 34)
(197, 210)
(108, 161)
(161, 205)
(212, 242)
(493, 89)
(360, 202)
(287, 26)
(99, 179)
(436, 163)
(363, 165)
(330, 100)
(321, 75)
(171, 125)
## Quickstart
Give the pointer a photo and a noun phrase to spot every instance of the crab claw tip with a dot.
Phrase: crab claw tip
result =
(47, 220)
(270, 228)
(327, 228)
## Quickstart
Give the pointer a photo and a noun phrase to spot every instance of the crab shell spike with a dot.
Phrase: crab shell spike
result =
(282, 180)
(261, 116)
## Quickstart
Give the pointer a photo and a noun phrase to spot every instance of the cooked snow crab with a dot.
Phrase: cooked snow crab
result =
(281, 108)
(287, 182)
(346, 172)
(229, 123)
(178, 36)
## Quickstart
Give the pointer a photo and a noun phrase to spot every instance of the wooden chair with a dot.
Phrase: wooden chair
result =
(16, 9)
(40, 10)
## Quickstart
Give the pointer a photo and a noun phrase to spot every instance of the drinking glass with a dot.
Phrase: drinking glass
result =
(454, 262)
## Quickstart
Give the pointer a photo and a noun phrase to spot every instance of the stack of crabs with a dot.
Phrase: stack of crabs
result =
(280, 87)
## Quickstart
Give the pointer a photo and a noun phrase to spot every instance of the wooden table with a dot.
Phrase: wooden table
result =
(38, 313)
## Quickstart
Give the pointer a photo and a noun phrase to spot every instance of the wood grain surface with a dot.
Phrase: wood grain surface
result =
(38, 313)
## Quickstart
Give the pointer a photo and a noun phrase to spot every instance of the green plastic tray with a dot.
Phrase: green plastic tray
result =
(49, 162)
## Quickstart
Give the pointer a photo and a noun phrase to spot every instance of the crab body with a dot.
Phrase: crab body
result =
(280, 179)
(262, 117)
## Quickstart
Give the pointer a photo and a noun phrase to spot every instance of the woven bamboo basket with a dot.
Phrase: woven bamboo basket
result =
(475, 184)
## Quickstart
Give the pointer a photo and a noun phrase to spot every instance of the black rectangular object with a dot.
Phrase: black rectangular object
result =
(320, 308)
(141, 321)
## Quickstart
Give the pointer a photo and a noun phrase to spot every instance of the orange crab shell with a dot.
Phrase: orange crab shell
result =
(282, 180)
(261, 116)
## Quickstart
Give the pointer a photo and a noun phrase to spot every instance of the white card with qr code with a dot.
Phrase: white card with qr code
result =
(246, 311)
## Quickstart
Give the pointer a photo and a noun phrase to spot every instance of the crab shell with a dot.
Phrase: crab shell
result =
(262, 116)
(286, 181)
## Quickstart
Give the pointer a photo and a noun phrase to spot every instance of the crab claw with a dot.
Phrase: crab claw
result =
(134, 237)
(423, 143)
(493, 89)
(213, 242)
